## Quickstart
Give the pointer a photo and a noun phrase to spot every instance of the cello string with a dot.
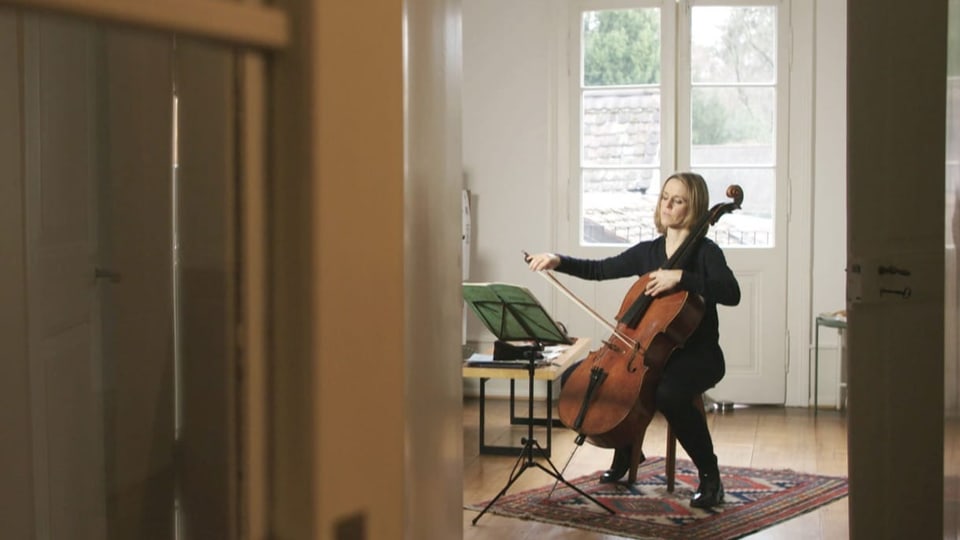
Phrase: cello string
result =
(569, 294)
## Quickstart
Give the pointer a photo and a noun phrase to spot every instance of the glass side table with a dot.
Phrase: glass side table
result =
(828, 320)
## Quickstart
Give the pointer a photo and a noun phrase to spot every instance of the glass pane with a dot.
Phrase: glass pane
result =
(134, 434)
(206, 283)
(621, 128)
(753, 225)
(734, 44)
(621, 47)
(733, 126)
(618, 205)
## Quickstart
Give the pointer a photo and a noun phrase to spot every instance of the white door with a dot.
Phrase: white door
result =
(98, 264)
(738, 64)
(65, 374)
(711, 104)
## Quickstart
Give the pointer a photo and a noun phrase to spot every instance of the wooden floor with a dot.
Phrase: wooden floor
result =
(761, 437)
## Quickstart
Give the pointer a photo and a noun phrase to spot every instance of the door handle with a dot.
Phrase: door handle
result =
(870, 282)
(905, 292)
(102, 273)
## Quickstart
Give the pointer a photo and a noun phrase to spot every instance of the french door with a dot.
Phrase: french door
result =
(661, 86)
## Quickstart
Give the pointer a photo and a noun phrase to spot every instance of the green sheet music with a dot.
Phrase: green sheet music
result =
(512, 313)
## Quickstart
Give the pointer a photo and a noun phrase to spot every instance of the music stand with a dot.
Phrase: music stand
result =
(512, 313)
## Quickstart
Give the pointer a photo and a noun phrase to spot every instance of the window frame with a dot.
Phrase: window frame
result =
(667, 87)
(676, 93)
(781, 114)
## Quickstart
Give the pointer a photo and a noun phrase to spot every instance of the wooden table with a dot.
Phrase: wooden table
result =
(546, 373)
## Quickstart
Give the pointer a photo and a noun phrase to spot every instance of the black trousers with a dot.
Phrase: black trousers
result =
(689, 373)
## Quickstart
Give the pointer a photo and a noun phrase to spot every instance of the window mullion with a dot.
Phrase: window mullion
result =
(682, 108)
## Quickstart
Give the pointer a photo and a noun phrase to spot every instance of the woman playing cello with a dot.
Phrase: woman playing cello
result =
(699, 364)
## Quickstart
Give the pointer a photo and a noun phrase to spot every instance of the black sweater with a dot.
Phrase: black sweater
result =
(706, 273)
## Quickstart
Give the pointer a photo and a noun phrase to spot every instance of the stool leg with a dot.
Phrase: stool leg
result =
(636, 458)
(671, 459)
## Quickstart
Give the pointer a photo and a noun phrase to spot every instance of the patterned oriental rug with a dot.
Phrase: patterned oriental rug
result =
(754, 499)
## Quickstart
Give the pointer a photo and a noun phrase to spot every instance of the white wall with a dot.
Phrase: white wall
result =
(508, 132)
(432, 304)
(512, 58)
(828, 279)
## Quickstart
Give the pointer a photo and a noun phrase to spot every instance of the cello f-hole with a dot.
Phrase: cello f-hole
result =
(631, 367)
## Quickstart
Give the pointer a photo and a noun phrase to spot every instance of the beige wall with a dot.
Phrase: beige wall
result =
(383, 376)
(380, 168)
(356, 168)
(291, 464)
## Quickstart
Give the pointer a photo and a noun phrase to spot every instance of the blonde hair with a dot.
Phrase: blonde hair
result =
(699, 199)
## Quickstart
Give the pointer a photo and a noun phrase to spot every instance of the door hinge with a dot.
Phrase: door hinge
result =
(789, 198)
(789, 43)
(786, 351)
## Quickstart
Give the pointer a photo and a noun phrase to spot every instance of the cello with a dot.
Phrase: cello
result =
(609, 399)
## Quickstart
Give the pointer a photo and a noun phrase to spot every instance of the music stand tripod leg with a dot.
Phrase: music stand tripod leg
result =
(525, 461)
(556, 474)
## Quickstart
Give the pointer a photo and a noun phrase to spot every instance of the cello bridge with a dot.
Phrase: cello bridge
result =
(613, 347)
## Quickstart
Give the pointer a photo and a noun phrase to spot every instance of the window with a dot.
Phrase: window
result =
(717, 97)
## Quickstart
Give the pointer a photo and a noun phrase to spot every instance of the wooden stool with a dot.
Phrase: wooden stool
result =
(671, 459)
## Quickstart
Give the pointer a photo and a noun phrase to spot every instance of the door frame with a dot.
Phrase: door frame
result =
(247, 24)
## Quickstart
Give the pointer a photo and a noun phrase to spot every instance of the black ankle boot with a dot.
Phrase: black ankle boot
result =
(619, 467)
(710, 491)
